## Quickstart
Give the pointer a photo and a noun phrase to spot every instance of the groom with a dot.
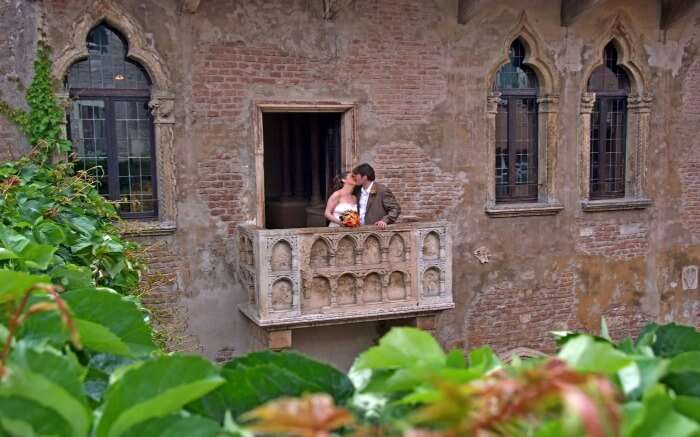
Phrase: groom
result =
(376, 203)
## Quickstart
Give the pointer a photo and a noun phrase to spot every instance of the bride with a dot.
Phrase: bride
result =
(342, 200)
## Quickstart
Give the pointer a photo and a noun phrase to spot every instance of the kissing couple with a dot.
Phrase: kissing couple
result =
(357, 192)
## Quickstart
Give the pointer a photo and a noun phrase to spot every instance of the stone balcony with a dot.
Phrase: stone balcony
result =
(323, 276)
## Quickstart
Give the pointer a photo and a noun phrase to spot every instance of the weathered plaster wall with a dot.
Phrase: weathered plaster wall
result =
(420, 82)
(19, 20)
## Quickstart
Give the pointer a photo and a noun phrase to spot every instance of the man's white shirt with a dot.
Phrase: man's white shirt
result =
(364, 197)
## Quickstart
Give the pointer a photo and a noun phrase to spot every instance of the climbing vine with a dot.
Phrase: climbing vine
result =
(42, 124)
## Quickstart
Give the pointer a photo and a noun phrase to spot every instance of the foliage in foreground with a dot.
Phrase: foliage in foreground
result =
(81, 362)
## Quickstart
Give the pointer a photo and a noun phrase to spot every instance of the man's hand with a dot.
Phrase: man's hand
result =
(380, 224)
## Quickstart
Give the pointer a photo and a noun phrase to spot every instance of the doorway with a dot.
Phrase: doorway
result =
(302, 155)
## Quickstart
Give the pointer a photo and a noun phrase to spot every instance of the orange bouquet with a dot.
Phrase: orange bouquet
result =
(350, 219)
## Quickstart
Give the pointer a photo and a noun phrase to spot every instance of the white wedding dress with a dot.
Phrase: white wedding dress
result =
(340, 209)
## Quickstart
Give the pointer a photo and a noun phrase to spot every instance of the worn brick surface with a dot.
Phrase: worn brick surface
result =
(163, 293)
(505, 316)
(421, 187)
(613, 240)
(220, 185)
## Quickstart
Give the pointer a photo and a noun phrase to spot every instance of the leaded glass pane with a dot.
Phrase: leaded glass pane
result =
(515, 74)
(106, 66)
(133, 140)
(609, 76)
(87, 129)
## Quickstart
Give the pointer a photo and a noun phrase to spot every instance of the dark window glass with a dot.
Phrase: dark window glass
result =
(608, 127)
(516, 130)
(110, 124)
(106, 66)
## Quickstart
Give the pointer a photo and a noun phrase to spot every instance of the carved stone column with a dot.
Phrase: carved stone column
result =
(587, 103)
(493, 100)
(162, 106)
(547, 113)
(638, 109)
(286, 173)
(298, 175)
(315, 176)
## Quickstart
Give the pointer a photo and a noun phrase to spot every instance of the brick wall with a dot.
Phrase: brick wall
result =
(505, 316)
(220, 184)
(163, 292)
(420, 186)
(229, 70)
(404, 75)
(690, 198)
(613, 240)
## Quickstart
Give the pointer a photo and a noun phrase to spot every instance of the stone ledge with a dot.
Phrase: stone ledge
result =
(310, 320)
(524, 209)
(614, 205)
(142, 228)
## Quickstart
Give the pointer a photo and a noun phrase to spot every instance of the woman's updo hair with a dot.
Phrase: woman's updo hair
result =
(338, 180)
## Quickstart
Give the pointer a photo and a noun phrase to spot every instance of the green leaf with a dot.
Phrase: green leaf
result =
(670, 340)
(657, 418)
(684, 374)
(589, 355)
(49, 233)
(115, 312)
(402, 347)
(15, 284)
(175, 426)
(483, 359)
(50, 379)
(688, 406)
(71, 276)
(164, 384)
(106, 322)
(7, 254)
(38, 256)
(643, 373)
(20, 416)
(455, 359)
(262, 376)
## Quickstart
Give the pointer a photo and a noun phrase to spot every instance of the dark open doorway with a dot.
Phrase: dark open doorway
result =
(302, 154)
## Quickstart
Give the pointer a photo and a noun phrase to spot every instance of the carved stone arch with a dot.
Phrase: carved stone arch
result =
(140, 49)
(628, 46)
(535, 56)
(548, 85)
(630, 57)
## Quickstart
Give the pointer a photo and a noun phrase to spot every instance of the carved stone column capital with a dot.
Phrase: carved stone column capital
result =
(162, 107)
(492, 102)
(548, 103)
(638, 103)
(587, 102)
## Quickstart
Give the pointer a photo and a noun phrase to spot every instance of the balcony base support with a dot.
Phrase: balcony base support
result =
(275, 340)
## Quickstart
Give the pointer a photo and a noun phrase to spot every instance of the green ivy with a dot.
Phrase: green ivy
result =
(42, 124)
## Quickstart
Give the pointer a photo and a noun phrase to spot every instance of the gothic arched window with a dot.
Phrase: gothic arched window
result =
(516, 129)
(611, 86)
(110, 124)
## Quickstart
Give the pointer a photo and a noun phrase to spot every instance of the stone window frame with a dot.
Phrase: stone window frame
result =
(161, 104)
(637, 132)
(348, 140)
(547, 119)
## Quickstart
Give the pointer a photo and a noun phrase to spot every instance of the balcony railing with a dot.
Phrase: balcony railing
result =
(311, 276)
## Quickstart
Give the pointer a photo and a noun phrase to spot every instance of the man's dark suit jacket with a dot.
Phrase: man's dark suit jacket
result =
(381, 205)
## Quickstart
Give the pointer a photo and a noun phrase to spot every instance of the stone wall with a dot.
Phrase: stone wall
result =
(420, 81)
